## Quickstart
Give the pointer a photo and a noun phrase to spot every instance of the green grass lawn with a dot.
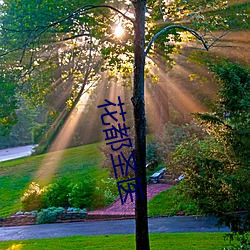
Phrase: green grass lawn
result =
(16, 175)
(169, 202)
(170, 241)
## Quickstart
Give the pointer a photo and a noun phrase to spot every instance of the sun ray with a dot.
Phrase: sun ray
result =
(61, 142)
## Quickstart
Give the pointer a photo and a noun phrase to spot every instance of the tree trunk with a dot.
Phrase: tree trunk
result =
(142, 239)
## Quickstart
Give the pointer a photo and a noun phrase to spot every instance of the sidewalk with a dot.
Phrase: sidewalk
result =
(116, 210)
(17, 152)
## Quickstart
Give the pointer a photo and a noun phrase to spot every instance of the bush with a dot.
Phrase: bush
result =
(64, 193)
(105, 193)
(81, 194)
(153, 158)
(107, 162)
(78, 210)
(33, 198)
(38, 131)
(48, 215)
(165, 142)
(57, 193)
(243, 242)
(209, 180)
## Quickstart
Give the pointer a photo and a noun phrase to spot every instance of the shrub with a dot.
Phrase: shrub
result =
(153, 158)
(73, 209)
(64, 193)
(33, 197)
(107, 161)
(48, 215)
(57, 193)
(162, 144)
(105, 192)
(81, 194)
(38, 131)
(243, 242)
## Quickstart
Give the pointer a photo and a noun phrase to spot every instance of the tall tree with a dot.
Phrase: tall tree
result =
(153, 24)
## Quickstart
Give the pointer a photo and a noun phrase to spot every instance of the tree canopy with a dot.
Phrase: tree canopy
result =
(51, 44)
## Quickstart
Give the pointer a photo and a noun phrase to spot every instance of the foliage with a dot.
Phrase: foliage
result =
(107, 160)
(73, 209)
(38, 131)
(216, 168)
(236, 16)
(48, 215)
(8, 105)
(16, 175)
(161, 144)
(65, 193)
(200, 162)
(56, 194)
(56, 49)
(243, 242)
(22, 132)
(81, 194)
(105, 193)
(32, 199)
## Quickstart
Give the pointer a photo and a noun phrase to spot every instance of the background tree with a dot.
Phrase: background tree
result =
(216, 168)
(8, 105)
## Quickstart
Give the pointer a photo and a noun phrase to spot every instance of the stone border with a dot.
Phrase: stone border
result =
(30, 219)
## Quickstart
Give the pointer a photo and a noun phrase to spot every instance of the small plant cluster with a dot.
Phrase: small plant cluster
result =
(66, 194)
(105, 192)
(51, 214)
(32, 198)
(48, 215)
(242, 241)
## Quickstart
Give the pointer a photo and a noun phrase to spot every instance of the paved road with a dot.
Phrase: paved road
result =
(14, 153)
(156, 225)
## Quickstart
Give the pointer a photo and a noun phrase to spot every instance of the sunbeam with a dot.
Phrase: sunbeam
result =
(51, 161)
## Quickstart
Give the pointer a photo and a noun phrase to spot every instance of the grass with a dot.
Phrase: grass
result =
(169, 202)
(170, 241)
(16, 175)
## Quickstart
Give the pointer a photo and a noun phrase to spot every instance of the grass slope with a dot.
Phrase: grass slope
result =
(76, 163)
(16, 175)
(173, 241)
(169, 202)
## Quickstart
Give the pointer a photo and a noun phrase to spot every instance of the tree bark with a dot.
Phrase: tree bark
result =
(142, 239)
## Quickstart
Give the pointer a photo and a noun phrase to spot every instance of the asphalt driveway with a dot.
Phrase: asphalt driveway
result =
(159, 225)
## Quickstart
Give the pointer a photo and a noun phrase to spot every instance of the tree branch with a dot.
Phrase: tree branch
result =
(218, 38)
(42, 29)
(193, 32)
(74, 13)
(87, 8)
(112, 8)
